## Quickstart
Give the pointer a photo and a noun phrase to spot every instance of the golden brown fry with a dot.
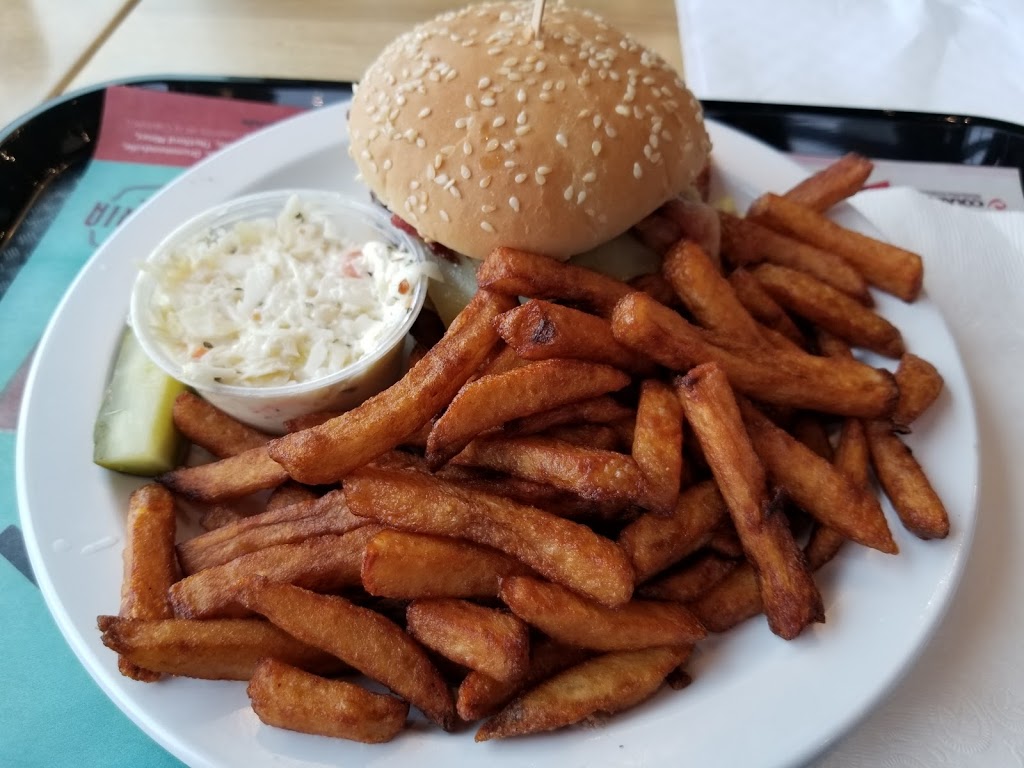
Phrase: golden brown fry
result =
(321, 563)
(831, 309)
(308, 420)
(491, 401)
(657, 231)
(327, 453)
(481, 696)
(286, 697)
(212, 429)
(560, 550)
(919, 508)
(372, 644)
(658, 444)
(502, 360)
(810, 430)
(851, 458)
(690, 581)
(288, 494)
(725, 541)
(405, 566)
(601, 476)
(519, 273)
(732, 600)
(540, 330)
(894, 270)
(219, 515)
(698, 222)
(706, 293)
(839, 180)
(771, 375)
(573, 620)
(489, 641)
(300, 521)
(597, 410)
(791, 599)
(654, 542)
(607, 684)
(828, 495)
(225, 479)
(746, 242)
(762, 306)
(150, 564)
(217, 649)
(920, 385)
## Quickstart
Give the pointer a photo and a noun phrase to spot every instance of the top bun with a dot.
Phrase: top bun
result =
(479, 135)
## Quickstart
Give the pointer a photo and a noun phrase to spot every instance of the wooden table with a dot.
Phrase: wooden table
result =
(48, 47)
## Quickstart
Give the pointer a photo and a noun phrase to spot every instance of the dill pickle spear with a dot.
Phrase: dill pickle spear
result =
(134, 431)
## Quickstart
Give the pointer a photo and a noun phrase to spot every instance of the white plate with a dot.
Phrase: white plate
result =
(755, 700)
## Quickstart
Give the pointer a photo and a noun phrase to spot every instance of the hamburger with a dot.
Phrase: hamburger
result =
(477, 133)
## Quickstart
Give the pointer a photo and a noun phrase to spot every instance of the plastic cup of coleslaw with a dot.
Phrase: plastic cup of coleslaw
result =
(281, 304)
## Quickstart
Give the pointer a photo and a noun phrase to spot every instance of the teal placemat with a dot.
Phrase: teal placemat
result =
(52, 714)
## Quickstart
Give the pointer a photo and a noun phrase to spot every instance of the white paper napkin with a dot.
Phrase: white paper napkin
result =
(948, 56)
(962, 704)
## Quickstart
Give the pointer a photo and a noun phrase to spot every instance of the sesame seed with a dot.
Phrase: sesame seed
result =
(445, 216)
(540, 66)
(597, 121)
(470, 101)
(568, 193)
(543, 170)
(451, 75)
(521, 118)
(460, 123)
(492, 145)
(447, 150)
(560, 85)
(596, 148)
(487, 101)
(484, 82)
(455, 192)
(610, 132)
(521, 96)
(561, 139)
(487, 227)
(520, 178)
(513, 203)
(431, 171)
(414, 184)
(544, 96)
(487, 208)
(515, 77)
(589, 177)
(498, 122)
(510, 163)
(467, 148)
(622, 109)
(495, 51)
(438, 160)
(421, 142)
(465, 172)
(441, 179)
(637, 170)
(581, 197)
(425, 112)
(522, 130)
(485, 182)
(387, 164)
(540, 178)
(400, 100)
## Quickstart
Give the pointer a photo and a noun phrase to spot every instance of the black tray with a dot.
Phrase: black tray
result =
(43, 153)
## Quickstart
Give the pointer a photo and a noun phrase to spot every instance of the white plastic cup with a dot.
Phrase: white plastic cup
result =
(269, 408)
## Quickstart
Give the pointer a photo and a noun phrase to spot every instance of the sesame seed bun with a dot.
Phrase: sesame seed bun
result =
(479, 135)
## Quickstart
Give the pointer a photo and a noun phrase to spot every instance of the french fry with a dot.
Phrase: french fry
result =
(725, 541)
(698, 222)
(734, 599)
(809, 429)
(150, 564)
(310, 420)
(762, 306)
(321, 563)
(596, 410)
(217, 649)
(830, 309)
(540, 330)
(286, 697)
(491, 401)
(405, 566)
(326, 453)
(558, 549)
(602, 437)
(772, 375)
(828, 495)
(481, 696)
(300, 521)
(657, 231)
(519, 273)
(568, 618)
(658, 444)
(657, 287)
(489, 641)
(919, 508)
(834, 183)
(231, 478)
(851, 458)
(219, 515)
(502, 360)
(894, 270)
(706, 293)
(288, 494)
(920, 385)
(361, 638)
(212, 429)
(791, 599)
(603, 476)
(606, 684)
(691, 580)
(654, 542)
(746, 242)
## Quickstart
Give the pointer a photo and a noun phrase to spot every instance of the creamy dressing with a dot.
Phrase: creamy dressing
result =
(268, 302)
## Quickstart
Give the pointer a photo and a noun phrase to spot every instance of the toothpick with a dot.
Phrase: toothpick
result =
(538, 15)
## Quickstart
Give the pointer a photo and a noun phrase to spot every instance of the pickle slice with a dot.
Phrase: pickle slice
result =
(134, 431)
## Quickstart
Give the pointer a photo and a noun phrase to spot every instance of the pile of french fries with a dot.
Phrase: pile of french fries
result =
(563, 495)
